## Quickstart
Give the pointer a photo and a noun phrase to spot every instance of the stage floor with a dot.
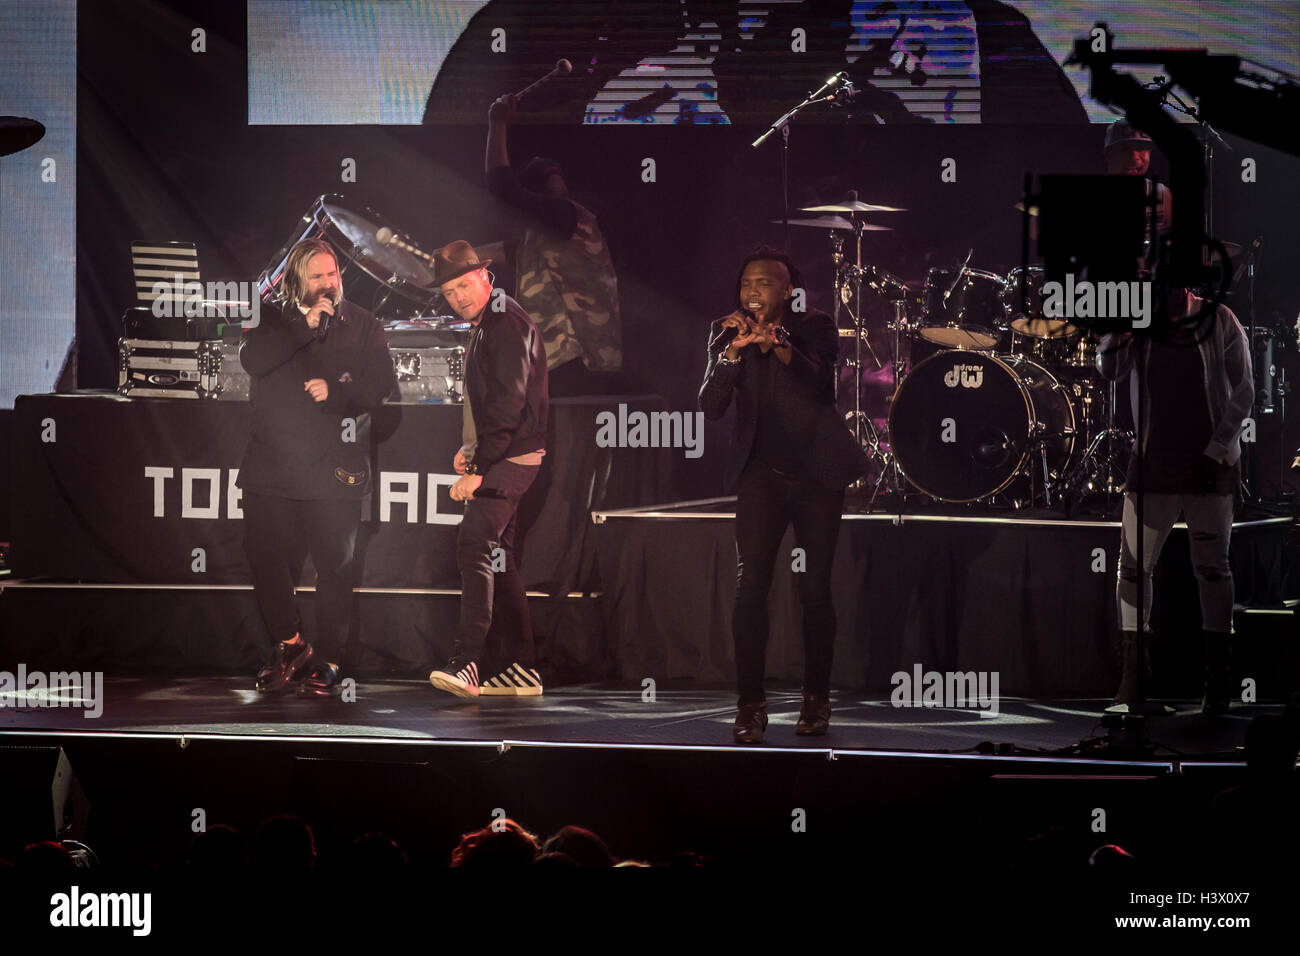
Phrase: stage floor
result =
(682, 714)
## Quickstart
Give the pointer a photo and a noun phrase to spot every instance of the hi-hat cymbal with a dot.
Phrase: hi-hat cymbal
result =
(836, 222)
(17, 133)
(852, 206)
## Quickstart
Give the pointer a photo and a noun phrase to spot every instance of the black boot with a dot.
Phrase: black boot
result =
(1218, 673)
(1127, 695)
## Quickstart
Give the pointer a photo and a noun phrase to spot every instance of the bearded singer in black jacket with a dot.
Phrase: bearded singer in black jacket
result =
(791, 459)
(318, 365)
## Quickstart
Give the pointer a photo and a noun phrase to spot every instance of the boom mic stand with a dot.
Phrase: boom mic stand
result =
(836, 89)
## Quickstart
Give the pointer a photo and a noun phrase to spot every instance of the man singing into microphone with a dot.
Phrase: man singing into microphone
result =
(791, 459)
(318, 365)
(504, 437)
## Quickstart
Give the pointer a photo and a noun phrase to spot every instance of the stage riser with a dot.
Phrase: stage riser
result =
(1015, 598)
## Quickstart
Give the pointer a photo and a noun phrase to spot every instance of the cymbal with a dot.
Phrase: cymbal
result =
(17, 133)
(852, 206)
(836, 222)
(1235, 258)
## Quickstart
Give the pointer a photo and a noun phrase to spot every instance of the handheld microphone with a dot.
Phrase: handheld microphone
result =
(724, 337)
(730, 332)
(325, 316)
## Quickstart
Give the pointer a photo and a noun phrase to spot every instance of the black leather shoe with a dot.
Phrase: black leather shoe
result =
(323, 681)
(751, 721)
(814, 716)
(289, 660)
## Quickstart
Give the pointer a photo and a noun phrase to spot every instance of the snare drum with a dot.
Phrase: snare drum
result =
(394, 285)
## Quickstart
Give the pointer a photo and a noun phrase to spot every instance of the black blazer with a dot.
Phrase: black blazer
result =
(506, 385)
(803, 401)
(298, 447)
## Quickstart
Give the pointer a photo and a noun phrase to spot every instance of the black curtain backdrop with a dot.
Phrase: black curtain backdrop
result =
(90, 503)
(1020, 599)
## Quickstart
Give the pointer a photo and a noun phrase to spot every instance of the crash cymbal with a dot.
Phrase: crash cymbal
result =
(836, 222)
(17, 133)
(852, 206)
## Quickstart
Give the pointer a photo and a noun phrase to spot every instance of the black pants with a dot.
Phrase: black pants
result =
(278, 535)
(766, 504)
(496, 629)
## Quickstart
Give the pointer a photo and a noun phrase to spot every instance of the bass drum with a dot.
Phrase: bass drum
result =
(392, 284)
(964, 425)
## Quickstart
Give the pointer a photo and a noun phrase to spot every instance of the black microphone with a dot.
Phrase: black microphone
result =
(730, 332)
(325, 316)
(724, 337)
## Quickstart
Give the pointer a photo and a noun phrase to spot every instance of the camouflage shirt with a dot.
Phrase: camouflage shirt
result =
(566, 278)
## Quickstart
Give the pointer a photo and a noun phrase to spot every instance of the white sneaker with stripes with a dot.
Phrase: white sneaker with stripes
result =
(515, 681)
(460, 680)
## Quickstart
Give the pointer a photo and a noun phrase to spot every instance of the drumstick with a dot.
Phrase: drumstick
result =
(561, 66)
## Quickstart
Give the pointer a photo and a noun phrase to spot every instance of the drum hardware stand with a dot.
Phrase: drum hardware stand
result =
(1263, 404)
(891, 476)
(848, 281)
(1099, 470)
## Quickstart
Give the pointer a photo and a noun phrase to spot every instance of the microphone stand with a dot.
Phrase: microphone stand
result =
(829, 91)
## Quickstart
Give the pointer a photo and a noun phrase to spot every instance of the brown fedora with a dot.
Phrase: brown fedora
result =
(455, 259)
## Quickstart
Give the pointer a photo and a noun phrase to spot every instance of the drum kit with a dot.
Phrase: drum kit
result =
(992, 402)
(393, 280)
(384, 272)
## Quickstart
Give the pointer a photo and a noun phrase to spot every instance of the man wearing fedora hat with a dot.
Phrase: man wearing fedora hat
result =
(504, 436)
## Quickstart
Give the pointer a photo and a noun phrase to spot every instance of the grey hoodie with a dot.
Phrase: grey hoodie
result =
(1229, 381)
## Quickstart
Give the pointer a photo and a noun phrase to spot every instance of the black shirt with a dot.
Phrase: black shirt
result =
(774, 446)
(1178, 427)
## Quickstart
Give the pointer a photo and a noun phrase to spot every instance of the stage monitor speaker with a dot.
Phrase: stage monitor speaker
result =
(40, 798)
